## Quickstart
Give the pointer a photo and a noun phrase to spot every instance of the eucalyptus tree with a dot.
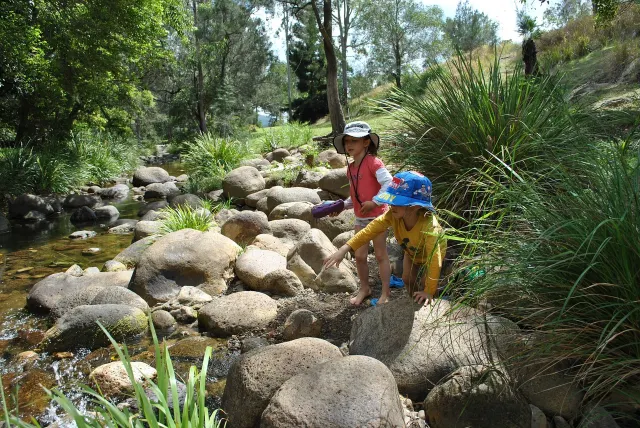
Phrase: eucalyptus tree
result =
(469, 29)
(347, 15)
(400, 32)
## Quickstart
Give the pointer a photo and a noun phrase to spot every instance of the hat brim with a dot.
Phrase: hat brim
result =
(402, 201)
(338, 142)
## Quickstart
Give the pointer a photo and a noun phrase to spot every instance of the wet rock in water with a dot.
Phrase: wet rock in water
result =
(290, 229)
(334, 159)
(119, 191)
(163, 320)
(78, 201)
(113, 266)
(243, 227)
(353, 391)
(75, 270)
(78, 328)
(253, 199)
(32, 398)
(477, 396)
(26, 358)
(123, 227)
(145, 229)
(271, 243)
(336, 182)
(422, 347)
(92, 270)
(98, 295)
(192, 296)
(307, 258)
(302, 323)
(46, 294)
(334, 226)
(185, 314)
(24, 204)
(257, 375)
(113, 379)
(148, 175)
(161, 190)
(242, 182)
(107, 212)
(253, 265)
(83, 215)
(251, 343)
(155, 206)
(131, 255)
(237, 313)
(282, 282)
(187, 199)
(63, 355)
(299, 210)
(90, 251)
(280, 195)
(186, 257)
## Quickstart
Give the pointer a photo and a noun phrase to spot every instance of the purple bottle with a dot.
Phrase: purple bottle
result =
(326, 208)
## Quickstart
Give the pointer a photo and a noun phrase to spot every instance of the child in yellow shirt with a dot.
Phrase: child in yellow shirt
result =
(416, 229)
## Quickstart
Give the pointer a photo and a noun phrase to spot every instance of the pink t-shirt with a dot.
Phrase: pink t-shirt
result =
(367, 185)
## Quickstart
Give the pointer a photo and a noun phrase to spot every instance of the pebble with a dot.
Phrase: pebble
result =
(23, 270)
(91, 270)
(75, 270)
(83, 234)
(90, 251)
(62, 355)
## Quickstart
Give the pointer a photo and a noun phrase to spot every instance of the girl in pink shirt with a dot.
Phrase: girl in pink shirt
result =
(368, 177)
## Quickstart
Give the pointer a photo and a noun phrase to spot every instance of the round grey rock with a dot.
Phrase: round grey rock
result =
(119, 191)
(77, 201)
(243, 227)
(280, 195)
(254, 264)
(242, 182)
(336, 182)
(299, 210)
(148, 175)
(237, 313)
(302, 323)
(107, 212)
(163, 320)
(282, 282)
(187, 199)
(291, 229)
(83, 215)
(144, 229)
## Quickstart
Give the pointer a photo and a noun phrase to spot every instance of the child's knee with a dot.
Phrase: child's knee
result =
(361, 258)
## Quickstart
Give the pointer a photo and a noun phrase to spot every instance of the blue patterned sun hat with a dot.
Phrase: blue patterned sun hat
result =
(407, 189)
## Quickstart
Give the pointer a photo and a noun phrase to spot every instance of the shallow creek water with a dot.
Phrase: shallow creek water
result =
(28, 254)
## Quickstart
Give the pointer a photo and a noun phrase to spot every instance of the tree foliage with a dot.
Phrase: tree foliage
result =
(470, 28)
(401, 32)
(563, 11)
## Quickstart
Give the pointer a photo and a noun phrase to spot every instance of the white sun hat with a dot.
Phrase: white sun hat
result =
(358, 130)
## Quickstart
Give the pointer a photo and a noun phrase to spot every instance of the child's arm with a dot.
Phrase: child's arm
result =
(384, 179)
(373, 229)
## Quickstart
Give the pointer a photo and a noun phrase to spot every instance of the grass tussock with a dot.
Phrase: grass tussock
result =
(156, 403)
(290, 135)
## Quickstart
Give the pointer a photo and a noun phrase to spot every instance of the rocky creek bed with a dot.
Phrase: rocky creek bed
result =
(289, 350)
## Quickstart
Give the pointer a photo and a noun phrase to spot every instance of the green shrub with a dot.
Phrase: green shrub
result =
(185, 217)
(208, 159)
(289, 135)
(164, 411)
(567, 269)
(474, 125)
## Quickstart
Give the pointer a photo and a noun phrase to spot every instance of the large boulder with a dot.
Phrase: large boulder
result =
(237, 313)
(278, 155)
(256, 163)
(148, 175)
(336, 182)
(299, 210)
(242, 182)
(422, 347)
(131, 255)
(21, 206)
(184, 257)
(98, 295)
(119, 191)
(45, 295)
(280, 195)
(290, 229)
(308, 179)
(353, 391)
(334, 226)
(107, 213)
(152, 206)
(257, 375)
(253, 199)
(476, 396)
(113, 380)
(145, 229)
(307, 258)
(332, 158)
(187, 199)
(253, 265)
(76, 201)
(161, 190)
(281, 282)
(123, 227)
(243, 227)
(83, 215)
(78, 328)
(271, 243)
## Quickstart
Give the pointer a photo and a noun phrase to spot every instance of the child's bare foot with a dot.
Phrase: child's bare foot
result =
(359, 298)
(384, 298)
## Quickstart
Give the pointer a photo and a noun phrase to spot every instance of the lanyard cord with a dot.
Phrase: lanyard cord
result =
(355, 187)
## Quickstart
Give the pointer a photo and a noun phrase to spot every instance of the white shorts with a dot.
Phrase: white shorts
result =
(363, 221)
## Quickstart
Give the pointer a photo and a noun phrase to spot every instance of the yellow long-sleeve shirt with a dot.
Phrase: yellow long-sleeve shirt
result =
(423, 243)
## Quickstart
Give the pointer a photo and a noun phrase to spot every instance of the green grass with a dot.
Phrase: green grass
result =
(185, 217)
(165, 411)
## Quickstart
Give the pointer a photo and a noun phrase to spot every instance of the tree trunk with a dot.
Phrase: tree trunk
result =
(333, 97)
(398, 58)
(202, 117)
(344, 39)
(529, 56)
(286, 36)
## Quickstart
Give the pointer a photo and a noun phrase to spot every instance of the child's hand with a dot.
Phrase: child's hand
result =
(423, 296)
(335, 258)
(368, 206)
